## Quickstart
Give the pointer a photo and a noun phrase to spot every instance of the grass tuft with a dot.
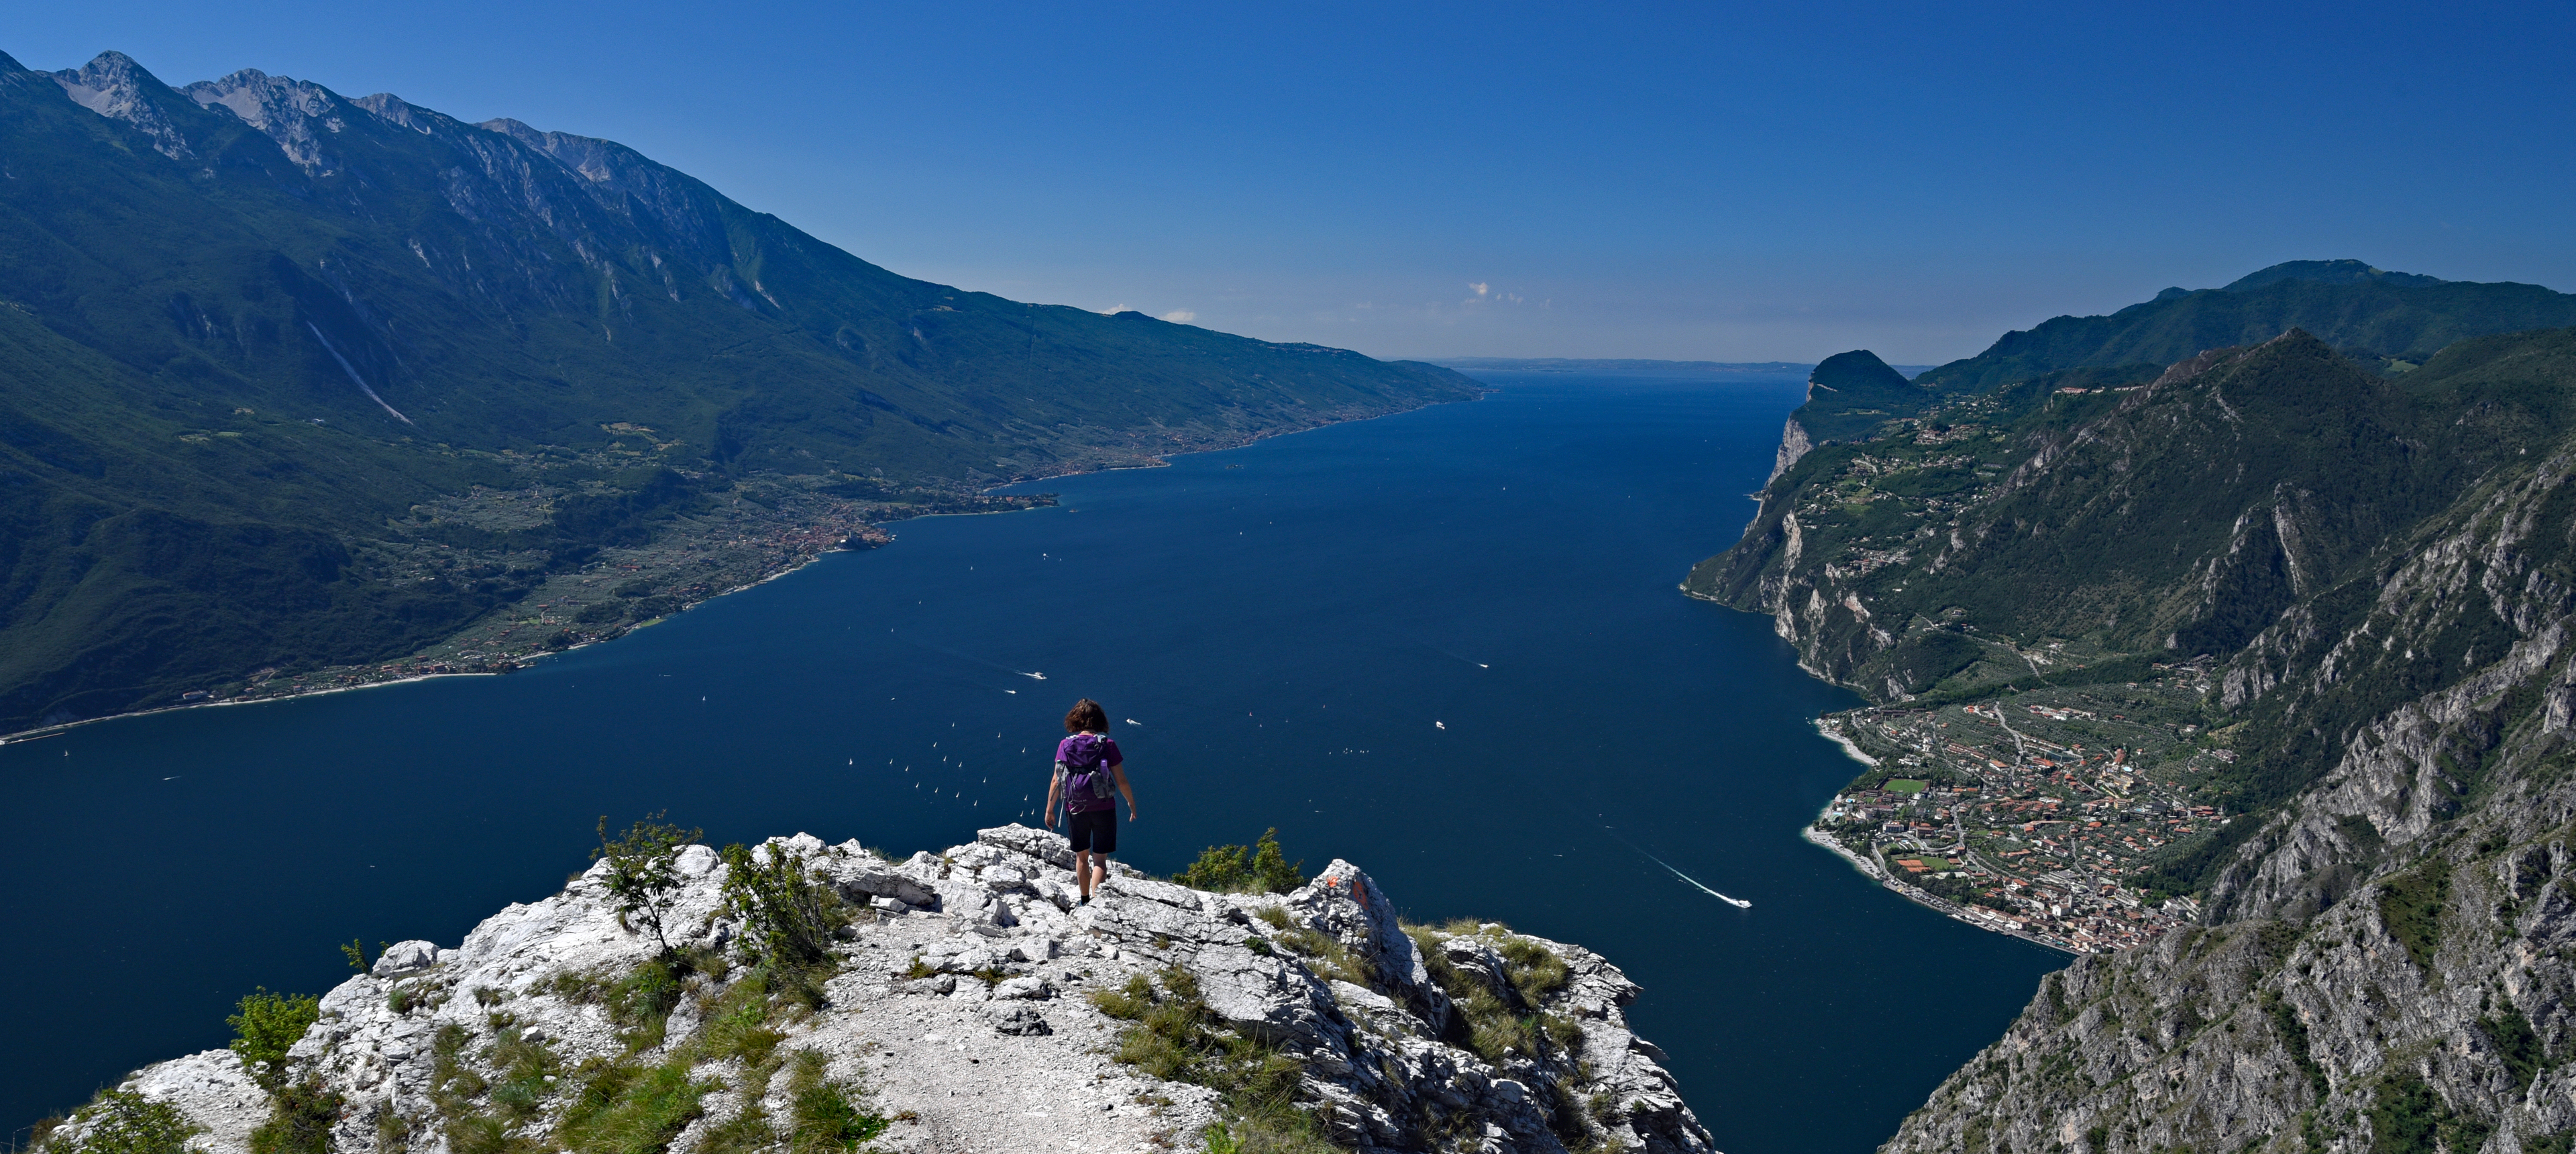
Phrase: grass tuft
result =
(624, 1110)
(1128, 1003)
(827, 1115)
(1176, 1037)
(300, 1118)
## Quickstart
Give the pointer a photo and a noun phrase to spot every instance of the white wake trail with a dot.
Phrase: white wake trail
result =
(1738, 903)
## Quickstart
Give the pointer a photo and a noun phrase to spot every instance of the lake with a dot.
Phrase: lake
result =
(1445, 645)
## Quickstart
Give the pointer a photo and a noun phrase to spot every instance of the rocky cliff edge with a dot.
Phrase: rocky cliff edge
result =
(960, 1007)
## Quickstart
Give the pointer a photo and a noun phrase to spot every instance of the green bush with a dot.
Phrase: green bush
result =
(300, 1118)
(1233, 869)
(124, 1122)
(789, 911)
(523, 1068)
(268, 1025)
(2411, 909)
(643, 874)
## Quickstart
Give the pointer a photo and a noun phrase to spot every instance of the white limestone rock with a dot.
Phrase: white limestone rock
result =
(114, 86)
(1003, 1067)
(405, 958)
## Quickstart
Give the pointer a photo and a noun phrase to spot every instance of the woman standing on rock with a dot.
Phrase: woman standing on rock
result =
(1086, 765)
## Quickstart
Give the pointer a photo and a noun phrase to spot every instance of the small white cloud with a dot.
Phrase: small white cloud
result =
(1180, 316)
(1114, 310)
(1481, 287)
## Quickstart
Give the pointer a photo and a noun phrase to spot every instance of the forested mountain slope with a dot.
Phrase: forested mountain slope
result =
(248, 326)
(2373, 575)
(2389, 963)
(2385, 321)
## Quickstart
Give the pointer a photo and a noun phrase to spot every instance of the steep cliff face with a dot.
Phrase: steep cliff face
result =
(2426, 1006)
(2180, 516)
(977, 1006)
(2374, 577)
(2387, 965)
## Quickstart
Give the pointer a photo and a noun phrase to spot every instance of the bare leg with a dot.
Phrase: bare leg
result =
(1100, 870)
(1082, 872)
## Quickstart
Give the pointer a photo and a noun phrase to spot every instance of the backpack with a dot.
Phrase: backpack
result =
(1086, 769)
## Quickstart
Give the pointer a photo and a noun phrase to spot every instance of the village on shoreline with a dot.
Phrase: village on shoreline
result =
(2040, 814)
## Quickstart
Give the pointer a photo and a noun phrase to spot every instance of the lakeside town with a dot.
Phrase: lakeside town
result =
(2037, 814)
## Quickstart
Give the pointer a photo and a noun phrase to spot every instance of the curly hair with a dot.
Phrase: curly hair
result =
(1086, 716)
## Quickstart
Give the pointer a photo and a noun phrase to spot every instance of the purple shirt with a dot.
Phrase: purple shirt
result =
(1094, 751)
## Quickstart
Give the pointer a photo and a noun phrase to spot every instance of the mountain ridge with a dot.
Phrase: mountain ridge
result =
(361, 324)
(2390, 321)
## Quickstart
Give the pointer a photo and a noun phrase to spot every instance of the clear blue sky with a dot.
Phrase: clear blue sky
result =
(1719, 181)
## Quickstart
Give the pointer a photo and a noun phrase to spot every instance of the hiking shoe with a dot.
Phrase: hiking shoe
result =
(1084, 900)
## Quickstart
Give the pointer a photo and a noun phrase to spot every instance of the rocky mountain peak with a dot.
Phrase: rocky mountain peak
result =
(287, 110)
(393, 109)
(114, 86)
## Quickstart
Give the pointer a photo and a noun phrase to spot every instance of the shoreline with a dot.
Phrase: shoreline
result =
(1834, 733)
(1953, 911)
(517, 663)
(1164, 460)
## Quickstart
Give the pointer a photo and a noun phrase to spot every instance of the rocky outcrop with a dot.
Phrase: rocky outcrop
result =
(1793, 445)
(288, 111)
(2432, 1003)
(114, 86)
(962, 1000)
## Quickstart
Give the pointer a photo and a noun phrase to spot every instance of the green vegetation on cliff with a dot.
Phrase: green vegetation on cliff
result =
(2164, 522)
(1852, 393)
(2387, 322)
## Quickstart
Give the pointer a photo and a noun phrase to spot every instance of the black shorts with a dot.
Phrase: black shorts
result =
(1095, 830)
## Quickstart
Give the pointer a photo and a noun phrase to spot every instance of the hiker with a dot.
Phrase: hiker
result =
(1086, 765)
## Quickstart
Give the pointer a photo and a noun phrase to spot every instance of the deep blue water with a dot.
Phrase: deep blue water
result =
(1445, 645)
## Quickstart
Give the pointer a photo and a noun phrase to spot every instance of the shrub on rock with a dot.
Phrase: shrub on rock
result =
(266, 1027)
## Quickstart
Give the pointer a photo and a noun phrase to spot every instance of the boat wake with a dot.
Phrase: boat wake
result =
(1738, 903)
(1460, 657)
(969, 657)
